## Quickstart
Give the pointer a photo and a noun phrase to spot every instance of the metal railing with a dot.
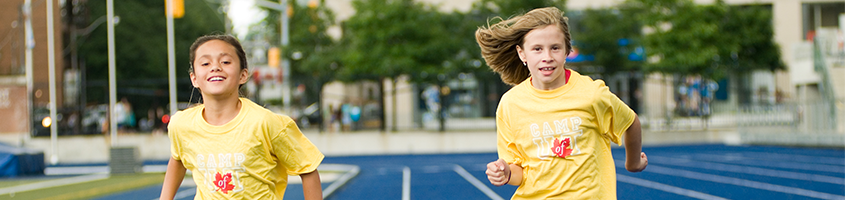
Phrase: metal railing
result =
(819, 123)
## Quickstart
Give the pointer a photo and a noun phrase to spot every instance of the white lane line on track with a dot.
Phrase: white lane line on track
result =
(186, 193)
(76, 170)
(791, 157)
(351, 171)
(475, 182)
(190, 192)
(665, 188)
(736, 181)
(406, 183)
(747, 170)
(53, 183)
(775, 164)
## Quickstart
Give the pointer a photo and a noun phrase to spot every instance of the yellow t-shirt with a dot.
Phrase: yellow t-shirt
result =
(249, 157)
(561, 138)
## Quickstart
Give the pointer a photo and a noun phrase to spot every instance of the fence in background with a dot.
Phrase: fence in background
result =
(820, 123)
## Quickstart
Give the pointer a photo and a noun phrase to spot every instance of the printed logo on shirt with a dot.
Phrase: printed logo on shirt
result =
(560, 141)
(561, 148)
(223, 182)
(222, 171)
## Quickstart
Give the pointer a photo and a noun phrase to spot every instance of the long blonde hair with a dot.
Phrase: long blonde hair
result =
(498, 42)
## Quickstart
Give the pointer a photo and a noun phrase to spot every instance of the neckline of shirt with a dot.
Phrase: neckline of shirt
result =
(554, 93)
(228, 126)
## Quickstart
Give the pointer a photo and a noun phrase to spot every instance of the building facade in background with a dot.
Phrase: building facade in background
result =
(17, 114)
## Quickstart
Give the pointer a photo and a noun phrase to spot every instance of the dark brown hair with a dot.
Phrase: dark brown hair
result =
(231, 40)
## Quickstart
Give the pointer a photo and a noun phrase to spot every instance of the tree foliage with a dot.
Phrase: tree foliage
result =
(141, 48)
(610, 35)
(753, 26)
(388, 38)
(686, 38)
(508, 8)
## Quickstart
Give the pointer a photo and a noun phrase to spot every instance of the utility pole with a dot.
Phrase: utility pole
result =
(171, 58)
(285, 61)
(30, 43)
(51, 69)
(112, 82)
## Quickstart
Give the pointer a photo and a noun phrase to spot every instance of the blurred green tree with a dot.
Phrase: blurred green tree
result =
(508, 8)
(141, 50)
(711, 40)
(752, 26)
(610, 35)
(386, 39)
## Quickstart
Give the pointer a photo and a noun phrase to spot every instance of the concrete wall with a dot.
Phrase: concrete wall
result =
(406, 102)
(13, 109)
(658, 96)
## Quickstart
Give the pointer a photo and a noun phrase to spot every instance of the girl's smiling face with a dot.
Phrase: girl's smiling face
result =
(544, 50)
(217, 69)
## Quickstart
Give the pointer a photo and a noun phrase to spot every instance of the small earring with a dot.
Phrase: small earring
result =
(525, 63)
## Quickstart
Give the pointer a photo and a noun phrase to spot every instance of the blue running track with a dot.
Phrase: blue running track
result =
(674, 172)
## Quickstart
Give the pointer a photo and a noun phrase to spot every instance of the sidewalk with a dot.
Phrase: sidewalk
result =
(95, 149)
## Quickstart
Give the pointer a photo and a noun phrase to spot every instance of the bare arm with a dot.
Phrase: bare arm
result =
(311, 188)
(172, 179)
(635, 159)
(516, 175)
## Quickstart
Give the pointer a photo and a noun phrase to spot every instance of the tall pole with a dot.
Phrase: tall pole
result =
(112, 84)
(30, 43)
(285, 61)
(171, 58)
(51, 64)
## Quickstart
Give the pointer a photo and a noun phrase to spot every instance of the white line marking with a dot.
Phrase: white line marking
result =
(406, 183)
(185, 193)
(748, 170)
(475, 182)
(75, 170)
(352, 171)
(787, 165)
(664, 187)
(736, 181)
(52, 183)
(794, 158)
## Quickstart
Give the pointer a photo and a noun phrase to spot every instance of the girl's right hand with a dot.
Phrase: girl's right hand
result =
(498, 172)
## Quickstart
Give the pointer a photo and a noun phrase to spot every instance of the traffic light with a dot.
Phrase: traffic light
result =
(178, 8)
(273, 56)
(313, 4)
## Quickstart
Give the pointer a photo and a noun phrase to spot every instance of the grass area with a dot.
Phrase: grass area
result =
(93, 189)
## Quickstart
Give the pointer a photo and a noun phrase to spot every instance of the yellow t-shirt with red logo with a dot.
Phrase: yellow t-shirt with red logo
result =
(561, 138)
(250, 157)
